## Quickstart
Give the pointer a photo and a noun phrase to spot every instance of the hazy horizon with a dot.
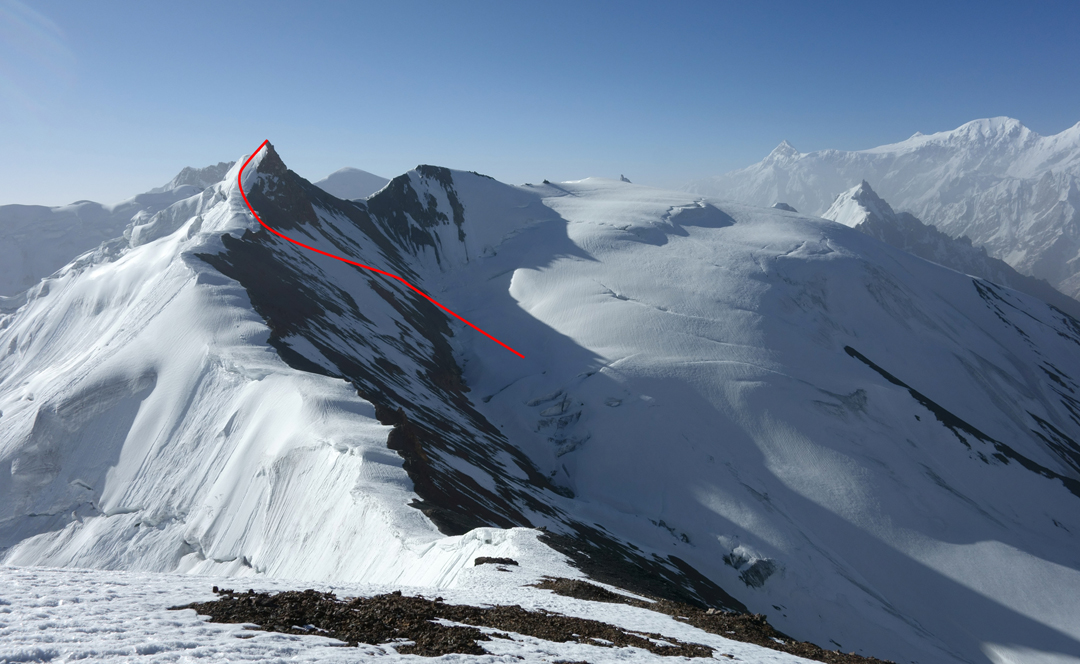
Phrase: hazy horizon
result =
(104, 102)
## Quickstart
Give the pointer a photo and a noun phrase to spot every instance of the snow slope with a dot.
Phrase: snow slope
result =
(862, 209)
(35, 240)
(994, 180)
(738, 405)
(351, 183)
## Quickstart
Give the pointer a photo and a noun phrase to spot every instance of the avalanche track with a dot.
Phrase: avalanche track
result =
(240, 182)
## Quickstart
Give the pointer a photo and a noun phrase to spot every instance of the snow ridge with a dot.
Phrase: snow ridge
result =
(146, 424)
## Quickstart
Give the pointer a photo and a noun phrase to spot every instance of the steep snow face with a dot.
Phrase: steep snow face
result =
(995, 181)
(35, 240)
(351, 183)
(862, 209)
(877, 452)
(860, 205)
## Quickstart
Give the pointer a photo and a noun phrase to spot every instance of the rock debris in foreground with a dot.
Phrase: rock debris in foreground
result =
(407, 622)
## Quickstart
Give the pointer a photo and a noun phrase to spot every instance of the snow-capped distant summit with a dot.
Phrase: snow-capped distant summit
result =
(991, 128)
(199, 178)
(862, 209)
(351, 183)
(858, 205)
(993, 180)
(785, 152)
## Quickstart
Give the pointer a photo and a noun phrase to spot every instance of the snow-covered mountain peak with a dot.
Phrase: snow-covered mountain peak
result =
(857, 204)
(200, 210)
(863, 190)
(784, 152)
(448, 218)
(985, 142)
(266, 161)
(996, 127)
(147, 411)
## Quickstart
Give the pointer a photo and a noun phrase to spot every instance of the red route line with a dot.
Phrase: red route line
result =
(240, 181)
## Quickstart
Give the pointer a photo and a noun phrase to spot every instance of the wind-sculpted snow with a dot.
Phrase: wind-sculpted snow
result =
(741, 406)
(995, 181)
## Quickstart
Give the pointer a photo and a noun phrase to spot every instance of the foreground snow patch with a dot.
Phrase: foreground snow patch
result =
(62, 615)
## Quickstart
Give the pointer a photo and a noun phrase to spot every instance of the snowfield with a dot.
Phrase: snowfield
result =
(743, 406)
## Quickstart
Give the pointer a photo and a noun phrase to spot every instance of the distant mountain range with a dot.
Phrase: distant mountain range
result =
(1005, 187)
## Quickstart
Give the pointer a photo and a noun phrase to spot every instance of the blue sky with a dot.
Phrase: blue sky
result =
(107, 99)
